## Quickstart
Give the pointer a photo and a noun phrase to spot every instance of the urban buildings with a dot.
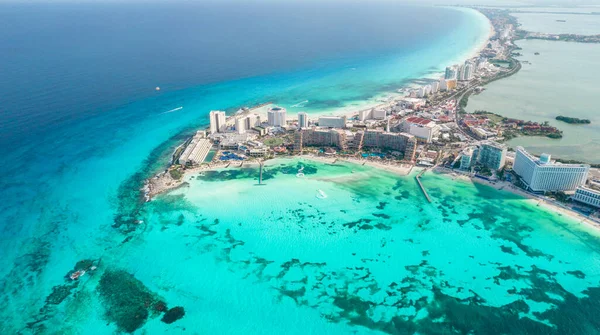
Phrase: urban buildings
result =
(245, 123)
(379, 114)
(302, 120)
(240, 125)
(276, 117)
(435, 87)
(298, 145)
(332, 121)
(451, 72)
(466, 71)
(217, 122)
(344, 140)
(322, 137)
(400, 142)
(462, 72)
(467, 158)
(492, 155)
(587, 196)
(425, 130)
(543, 175)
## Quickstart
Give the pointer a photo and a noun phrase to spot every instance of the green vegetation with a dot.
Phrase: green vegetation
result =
(485, 171)
(273, 142)
(176, 173)
(494, 118)
(558, 196)
(501, 174)
(573, 120)
(554, 135)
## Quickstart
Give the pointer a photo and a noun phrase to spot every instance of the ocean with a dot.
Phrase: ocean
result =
(82, 125)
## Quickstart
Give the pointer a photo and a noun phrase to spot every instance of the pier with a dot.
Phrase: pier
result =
(418, 178)
(261, 163)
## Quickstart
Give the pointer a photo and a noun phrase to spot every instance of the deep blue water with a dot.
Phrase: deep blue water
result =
(64, 61)
(80, 121)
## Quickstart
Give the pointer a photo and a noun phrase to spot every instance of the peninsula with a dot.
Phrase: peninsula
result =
(427, 127)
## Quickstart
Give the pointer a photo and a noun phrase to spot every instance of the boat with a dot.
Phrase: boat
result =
(300, 174)
(75, 275)
(321, 194)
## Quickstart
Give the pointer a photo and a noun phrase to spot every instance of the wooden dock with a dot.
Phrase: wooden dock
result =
(418, 178)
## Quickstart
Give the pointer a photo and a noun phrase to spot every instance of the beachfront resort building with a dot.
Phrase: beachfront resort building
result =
(492, 155)
(451, 72)
(240, 125)
(466, 71)
(332, 121)
(276, 117)
(217, 122)
(401, 142)
(197, 150)
(467, 157)
(425, 130)
(345, 139)
(302, 120)
(587, 196)
(372, 114)
(543, 175)
(321, 138)
(245, 123)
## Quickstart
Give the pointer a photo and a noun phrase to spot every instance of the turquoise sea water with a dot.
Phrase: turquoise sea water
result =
(275, 258)
(347, 248)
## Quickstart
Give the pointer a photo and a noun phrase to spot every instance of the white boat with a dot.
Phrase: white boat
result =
(321, 194)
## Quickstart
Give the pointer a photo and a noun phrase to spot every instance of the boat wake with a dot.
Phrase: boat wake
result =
(300, 173)
(300, 104)
(321, 194)
(172, 110)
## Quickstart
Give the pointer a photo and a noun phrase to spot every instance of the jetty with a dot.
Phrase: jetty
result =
(260, 176)
(418, 178)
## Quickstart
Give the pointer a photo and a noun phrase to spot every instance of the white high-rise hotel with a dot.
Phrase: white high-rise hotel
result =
(276, 117)
(217, 122)
(543, 175)
(245, 123)
(302, 120)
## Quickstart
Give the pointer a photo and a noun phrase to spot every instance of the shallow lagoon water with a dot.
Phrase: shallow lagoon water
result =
(551, 23)
(558, 81)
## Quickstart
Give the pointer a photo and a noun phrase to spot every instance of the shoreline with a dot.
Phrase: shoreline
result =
(395, 96)
(533, 199)
(163, 182)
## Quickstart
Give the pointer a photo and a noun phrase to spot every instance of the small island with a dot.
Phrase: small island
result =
(573, 120)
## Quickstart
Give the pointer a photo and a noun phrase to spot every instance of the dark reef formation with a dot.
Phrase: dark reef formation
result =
(129, 303)
(173, 315)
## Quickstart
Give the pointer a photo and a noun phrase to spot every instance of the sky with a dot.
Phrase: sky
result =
(566, 3)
